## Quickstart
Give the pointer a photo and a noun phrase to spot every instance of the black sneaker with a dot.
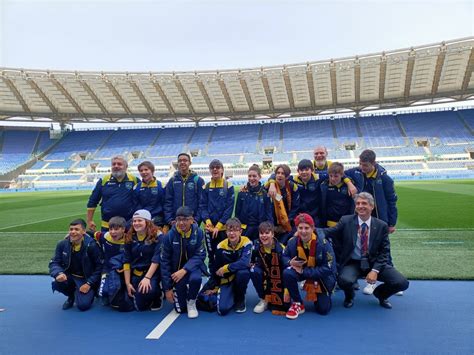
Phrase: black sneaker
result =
(69, 303)
(240, 307)
(157, 304)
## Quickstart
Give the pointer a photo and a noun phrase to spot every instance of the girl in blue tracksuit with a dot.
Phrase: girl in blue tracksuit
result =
(141, 262)
(253, 204)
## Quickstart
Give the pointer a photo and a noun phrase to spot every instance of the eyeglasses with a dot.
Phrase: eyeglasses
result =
(214, 167)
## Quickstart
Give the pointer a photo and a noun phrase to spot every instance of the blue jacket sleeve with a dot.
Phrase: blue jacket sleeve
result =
(95, 255)
(391, 198)
(357, 178)
(165, 258)
(127, 253)
(324, 269)
(238, 206)
(295, 202)
(168, 204)
(157, 255)
(196, 261)
(55, 264)
(204, 205)
(244, 260)
(229, 205)
(96, 195)
(136, 197)
(199, 196)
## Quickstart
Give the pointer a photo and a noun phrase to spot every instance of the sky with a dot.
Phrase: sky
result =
(188, 35)
(192, 35)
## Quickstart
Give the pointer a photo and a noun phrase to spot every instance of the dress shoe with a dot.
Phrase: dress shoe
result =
(69, 303)
(348, 302)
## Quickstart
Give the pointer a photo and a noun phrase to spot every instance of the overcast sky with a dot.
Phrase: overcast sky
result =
(180, 35)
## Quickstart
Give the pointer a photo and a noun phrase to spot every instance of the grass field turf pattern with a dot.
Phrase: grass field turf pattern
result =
(438, 245)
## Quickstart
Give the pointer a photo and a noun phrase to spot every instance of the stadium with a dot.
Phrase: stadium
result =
(412, 106)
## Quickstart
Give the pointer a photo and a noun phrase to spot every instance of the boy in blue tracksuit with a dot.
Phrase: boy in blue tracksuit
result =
(76, 267)
(216, 207)
(114, 192)
(182, 262)
(112, 286)
(308, 187)
(311, 259)
(266, 271)
(184, 188)
(335, 200)
(149, 193)
(253, 204)
(372, 178)
(233, 261)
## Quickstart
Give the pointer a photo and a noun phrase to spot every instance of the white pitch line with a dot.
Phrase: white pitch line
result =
(161, 328)
(434, 242)
(41, 221)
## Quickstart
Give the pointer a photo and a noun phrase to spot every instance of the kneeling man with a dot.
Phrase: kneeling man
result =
(362, 249)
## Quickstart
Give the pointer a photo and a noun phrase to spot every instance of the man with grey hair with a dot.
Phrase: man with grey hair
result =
(114, 192)
(362, 249)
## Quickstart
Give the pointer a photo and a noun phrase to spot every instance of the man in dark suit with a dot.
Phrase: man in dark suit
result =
(362, 248)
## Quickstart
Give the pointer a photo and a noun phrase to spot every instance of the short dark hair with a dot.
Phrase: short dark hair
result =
(305, 164)
(266, 226)
(185, 154)
(80, 222)
(184, 211)
(233, 222)
(336, 168)
(367, 156)
(147, 164)
(117, 222)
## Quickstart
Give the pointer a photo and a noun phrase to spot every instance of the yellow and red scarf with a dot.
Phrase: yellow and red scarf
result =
(280, 210)
(309, 285)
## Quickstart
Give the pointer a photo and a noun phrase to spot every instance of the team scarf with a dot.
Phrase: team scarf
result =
(280, 210)
(273, 283)
(311, 287)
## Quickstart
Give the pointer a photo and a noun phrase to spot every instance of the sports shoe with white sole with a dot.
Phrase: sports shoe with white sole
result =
(192, 310)
(261, 306)
(399, 293)
(369, 289)
(295, 310)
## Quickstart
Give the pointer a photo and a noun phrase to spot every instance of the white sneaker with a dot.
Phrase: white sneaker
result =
(399, 293)
(261, 306)
(369, 289)
(192, 310)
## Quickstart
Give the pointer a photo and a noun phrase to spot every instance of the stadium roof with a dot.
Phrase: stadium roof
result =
(374, 81)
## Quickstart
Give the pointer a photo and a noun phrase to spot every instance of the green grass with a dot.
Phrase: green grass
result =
(434, 240)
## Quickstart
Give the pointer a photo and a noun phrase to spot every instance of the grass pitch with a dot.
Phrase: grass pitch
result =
(434, 238)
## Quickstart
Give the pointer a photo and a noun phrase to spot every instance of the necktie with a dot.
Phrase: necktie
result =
(364, 239)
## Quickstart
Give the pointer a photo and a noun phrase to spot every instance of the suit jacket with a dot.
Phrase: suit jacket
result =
(344, 238)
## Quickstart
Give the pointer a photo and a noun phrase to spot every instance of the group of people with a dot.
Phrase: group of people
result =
(321, 227)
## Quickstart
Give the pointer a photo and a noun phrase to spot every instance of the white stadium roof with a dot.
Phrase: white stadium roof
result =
(375, 81)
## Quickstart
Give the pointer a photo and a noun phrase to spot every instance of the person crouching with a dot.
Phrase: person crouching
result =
(311, 259)
(76, 267)
(233, 262)
(182, 259)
